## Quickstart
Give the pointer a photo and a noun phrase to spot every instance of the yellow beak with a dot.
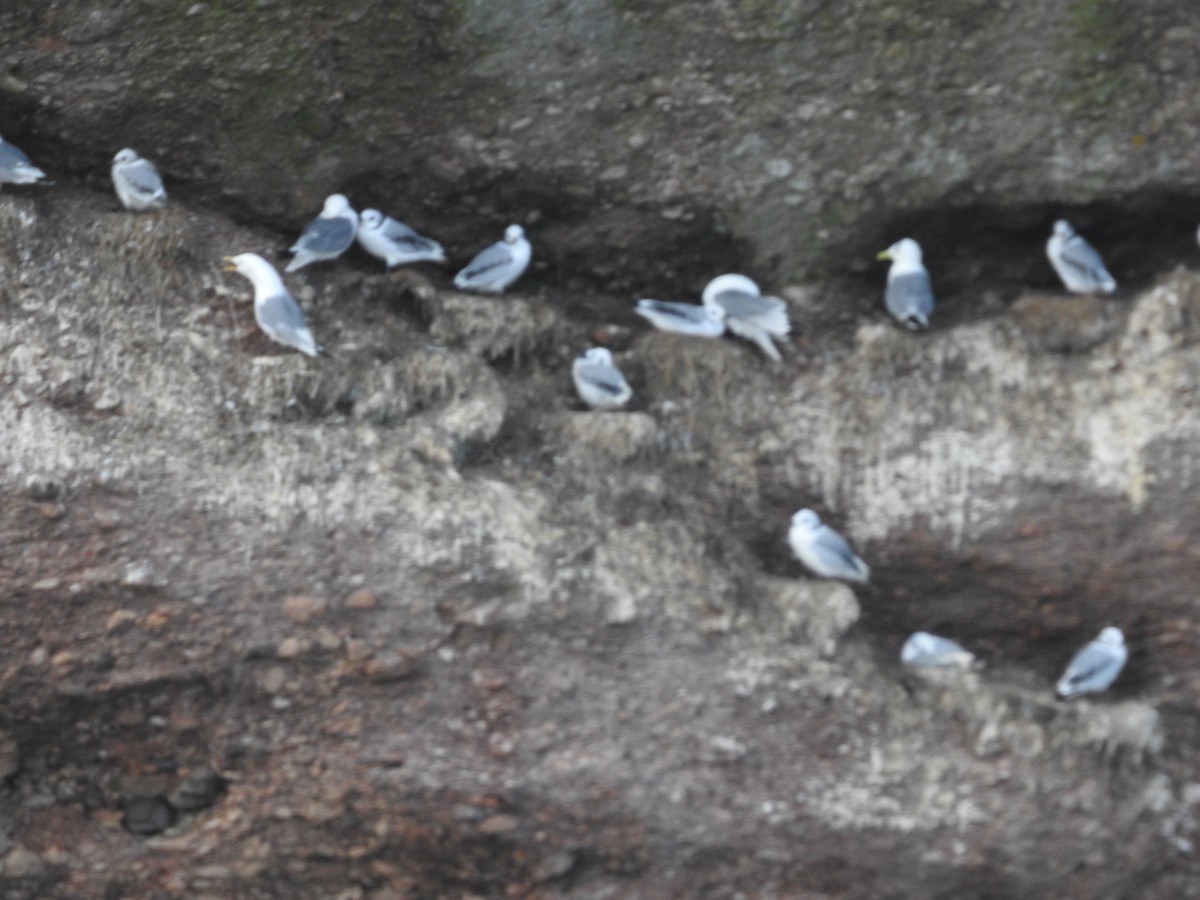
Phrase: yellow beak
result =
(231, 265)
(883, 254)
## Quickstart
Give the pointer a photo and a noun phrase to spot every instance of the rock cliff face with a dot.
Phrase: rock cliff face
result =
(410, 623)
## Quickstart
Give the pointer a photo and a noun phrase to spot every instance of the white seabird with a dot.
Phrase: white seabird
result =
(823, 550)
(1077, 262)
(683, 318)
(1096, 666)
(909, 294)
(137, 182)
(15, 167)
(925, 649)
(394, 242)
(599, 382)
(327, 236)
(277, 314)
(496, 267)
(748, 313)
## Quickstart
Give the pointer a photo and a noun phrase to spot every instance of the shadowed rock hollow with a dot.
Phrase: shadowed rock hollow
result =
(410, 623)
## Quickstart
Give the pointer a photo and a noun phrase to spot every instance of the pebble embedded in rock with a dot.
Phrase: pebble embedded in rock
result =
(302, 608)
(22, 863)
(198, 791)
(361, 599)
(147, 815)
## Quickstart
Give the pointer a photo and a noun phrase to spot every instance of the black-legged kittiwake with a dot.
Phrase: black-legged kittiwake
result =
(137, 182)
(925, 649)
(277, 314)
(683, 318)
(823, 550)
(1096, 666)
(496, 267)
(15, 167)
(599, 382)
(1077, 262)
(394, 242)
(748, 313)
(909, 294)
(327, 236)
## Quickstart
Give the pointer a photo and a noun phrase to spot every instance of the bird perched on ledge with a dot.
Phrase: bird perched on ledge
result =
(277, 314)
(909, 294)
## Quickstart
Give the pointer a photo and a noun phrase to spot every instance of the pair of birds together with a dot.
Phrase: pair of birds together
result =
(909, 294)
(827, 554)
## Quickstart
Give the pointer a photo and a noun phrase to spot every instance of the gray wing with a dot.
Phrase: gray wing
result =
(739, 304)
(13, 161)
(831, 545)
(327, 236)
(683, 318)
(488, 262)
(1092, 669)
(143, 177)
(12, 158)
(605, 378)
(280, 317)
(400, 234)
(909, 298)
(1083, 258)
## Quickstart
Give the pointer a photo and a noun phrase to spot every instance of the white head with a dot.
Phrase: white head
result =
(370, 218)
(599, 355)
(254, 267)
(905, 251)
(724, 283)
(513, 233)
(335, 204)
(125, 156)
(1112, 636)
(806, 519)
(1063, 229)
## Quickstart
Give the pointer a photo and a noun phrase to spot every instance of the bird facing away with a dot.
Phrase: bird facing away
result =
(276, 312)
(15, 167)
(823, 550)
(599, 382)
(1096, 666)
(1077, 262)
(747, 313)
(925, 649)
(496, 267)
(909, 294)
(683, 318)
(394, 242)
(327, 236)
(137, 182)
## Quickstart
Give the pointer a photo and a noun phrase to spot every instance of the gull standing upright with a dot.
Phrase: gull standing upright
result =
(599, 382)
(277, 314)
(909, 294)
(15, 167)
(1096, 666)
(683, 318)
(327, 236)
(496, 267)
(137, 182)
(823, 550)
(394, 242)
(1077, 262)
(747, 313)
